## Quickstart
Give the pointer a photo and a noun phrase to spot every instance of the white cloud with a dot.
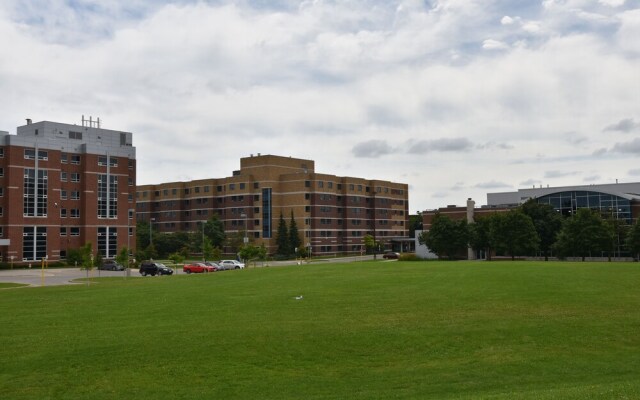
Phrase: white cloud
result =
(507, 20)
(490, 44)
(405, 82)
(612, 3)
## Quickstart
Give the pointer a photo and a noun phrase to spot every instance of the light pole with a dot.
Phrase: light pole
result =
(12, 257)
(246, 238)
(203, 257)
(151, 221)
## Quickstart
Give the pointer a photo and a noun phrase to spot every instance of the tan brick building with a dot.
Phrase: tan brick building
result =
(332, 213)
(62, 186)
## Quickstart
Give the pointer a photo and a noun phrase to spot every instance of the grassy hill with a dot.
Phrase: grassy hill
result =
(372, 330)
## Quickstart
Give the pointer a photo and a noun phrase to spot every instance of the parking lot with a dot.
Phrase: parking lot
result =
(55, 276)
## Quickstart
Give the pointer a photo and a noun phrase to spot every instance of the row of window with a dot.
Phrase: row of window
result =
(34, 241)
(256, 185)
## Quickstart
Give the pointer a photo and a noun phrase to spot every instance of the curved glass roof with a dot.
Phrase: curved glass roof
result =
(569, 202)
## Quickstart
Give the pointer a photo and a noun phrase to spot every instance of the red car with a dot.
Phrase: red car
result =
(198, 268)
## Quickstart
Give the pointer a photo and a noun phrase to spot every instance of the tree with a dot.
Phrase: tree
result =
(142, 234)
(282, 240)
(249, 252)
(176, 258)
(446, 237)
(294, 237)
(513, 232)
(633, 240)
(547, 222)
(207, 249)
(214, 230)
(583, 234)
(369, 242)
(87, 256)
(123, 257)
(479, 235)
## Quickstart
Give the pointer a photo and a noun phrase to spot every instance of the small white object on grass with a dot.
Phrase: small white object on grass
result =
(299, 297)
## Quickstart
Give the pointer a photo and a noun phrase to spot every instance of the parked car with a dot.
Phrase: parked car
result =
(231, 264)
(154, 268)
(391, 255)
(198, 268)
(212, 264)
(111, 266)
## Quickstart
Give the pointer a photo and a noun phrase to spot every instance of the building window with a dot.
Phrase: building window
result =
(63, 231)
(307, 183)
(74, 231)
(63, 176)
(35, 193)
(1, 191)
(64, 158)
(320, 184)
(75, 195)
(241, 186)
(130, 164)
(1, 152)
(266, 213)
(103, 160)
(34, 243)
(232, 186)
(197, 189)
(75, 177)
(75, 213)
(107, 196)
(75, 135)
(107, 241)
(75, 159)
(63, 195)
(1, 172)
(30, 154)
(256, 185)
(63, 213)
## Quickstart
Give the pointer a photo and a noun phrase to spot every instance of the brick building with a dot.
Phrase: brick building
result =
(62, 186)
(332, 213)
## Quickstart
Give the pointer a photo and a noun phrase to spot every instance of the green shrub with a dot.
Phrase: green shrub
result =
(409, 257)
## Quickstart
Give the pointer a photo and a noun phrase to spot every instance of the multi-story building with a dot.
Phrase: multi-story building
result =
(616, 200)
(65, 185)
(332, 213)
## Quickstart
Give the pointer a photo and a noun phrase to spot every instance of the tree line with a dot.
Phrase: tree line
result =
(534, 229)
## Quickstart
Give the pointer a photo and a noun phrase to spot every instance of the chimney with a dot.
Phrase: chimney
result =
(28, 121)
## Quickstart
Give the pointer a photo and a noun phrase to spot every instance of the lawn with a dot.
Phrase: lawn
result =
(371, 330)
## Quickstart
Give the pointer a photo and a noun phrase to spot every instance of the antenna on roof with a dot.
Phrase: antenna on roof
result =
(90, 122)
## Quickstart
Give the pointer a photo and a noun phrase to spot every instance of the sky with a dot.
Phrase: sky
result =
(456, 98)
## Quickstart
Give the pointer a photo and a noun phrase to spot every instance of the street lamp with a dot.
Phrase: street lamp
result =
(129, 218)
(203, 258)
(246, 238)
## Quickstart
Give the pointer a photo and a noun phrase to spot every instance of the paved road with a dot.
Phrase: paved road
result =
(65, 276)
(53, 276)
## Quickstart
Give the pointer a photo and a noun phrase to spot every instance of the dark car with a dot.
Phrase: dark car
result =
(111, 266)
(391, 255)
(154, 268)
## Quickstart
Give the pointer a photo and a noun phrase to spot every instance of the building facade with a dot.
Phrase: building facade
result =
(617, 200)
(333, 214)
(65, 185)
(620, 200)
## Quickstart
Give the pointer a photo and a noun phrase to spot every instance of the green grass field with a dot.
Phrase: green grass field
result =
(372, 330)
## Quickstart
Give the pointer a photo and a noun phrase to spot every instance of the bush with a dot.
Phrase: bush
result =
(409, 257)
